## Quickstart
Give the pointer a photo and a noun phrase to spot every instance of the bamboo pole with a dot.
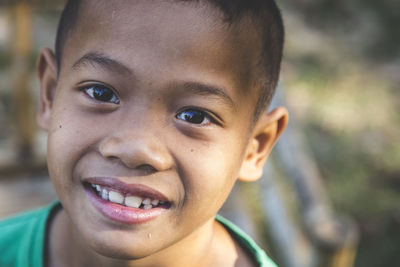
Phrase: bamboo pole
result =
(21, 94)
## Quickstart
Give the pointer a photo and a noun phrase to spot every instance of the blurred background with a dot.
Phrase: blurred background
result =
(330, 194)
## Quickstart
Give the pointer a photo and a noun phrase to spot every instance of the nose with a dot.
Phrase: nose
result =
(137, 150)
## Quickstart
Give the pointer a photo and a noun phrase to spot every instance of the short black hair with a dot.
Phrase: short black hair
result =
(266, 15)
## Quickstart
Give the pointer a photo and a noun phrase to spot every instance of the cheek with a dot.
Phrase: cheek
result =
(210, 170)
(69, 138)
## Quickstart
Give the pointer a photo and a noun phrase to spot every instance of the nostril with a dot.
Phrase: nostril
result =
(146, 168)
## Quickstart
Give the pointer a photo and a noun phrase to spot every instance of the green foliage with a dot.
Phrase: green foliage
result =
(378, 21)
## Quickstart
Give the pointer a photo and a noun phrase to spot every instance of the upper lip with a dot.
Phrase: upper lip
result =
(128, 189)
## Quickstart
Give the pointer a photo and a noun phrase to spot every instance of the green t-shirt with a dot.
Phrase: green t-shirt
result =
(23, 239)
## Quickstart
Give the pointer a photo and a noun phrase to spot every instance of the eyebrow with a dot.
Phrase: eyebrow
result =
(205, 89)
(98, 59)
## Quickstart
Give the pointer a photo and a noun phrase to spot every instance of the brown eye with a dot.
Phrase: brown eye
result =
(101, 93)
(194, 116)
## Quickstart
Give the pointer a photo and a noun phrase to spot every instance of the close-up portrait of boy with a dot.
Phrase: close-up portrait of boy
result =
(153, 109)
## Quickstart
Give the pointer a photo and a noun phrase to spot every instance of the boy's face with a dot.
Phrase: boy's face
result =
(153, 94)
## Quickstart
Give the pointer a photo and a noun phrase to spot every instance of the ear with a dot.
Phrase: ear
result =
(265, 133)
(47, 73)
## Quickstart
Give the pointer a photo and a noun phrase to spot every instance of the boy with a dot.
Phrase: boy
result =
(153, 110)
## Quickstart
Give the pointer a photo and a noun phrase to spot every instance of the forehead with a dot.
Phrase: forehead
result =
(167, 35)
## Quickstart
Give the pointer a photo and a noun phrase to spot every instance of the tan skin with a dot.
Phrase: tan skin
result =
(154, 60)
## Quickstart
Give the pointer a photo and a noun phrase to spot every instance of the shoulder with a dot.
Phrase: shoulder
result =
(246, 243)
(22, 237)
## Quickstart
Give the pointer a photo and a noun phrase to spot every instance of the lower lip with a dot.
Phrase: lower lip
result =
(123, 214)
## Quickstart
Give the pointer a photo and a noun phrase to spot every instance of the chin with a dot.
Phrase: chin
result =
(121, 250)
(118, 253)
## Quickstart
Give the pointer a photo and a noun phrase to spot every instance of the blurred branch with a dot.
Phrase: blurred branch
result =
(334, 238)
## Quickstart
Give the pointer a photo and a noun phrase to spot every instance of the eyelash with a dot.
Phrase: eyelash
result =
(206, 118)
(94, 92)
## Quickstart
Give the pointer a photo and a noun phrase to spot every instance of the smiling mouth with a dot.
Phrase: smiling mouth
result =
(126, 199)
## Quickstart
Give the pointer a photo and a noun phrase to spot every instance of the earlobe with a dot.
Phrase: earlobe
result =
(265, 134)
(47, 73)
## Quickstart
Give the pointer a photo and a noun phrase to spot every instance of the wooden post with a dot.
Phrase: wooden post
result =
(21, 95)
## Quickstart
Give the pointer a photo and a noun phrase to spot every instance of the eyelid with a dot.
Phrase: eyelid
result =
(87, 84)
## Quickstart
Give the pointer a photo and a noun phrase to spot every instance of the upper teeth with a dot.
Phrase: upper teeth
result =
(115, 197)
(130, 201)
